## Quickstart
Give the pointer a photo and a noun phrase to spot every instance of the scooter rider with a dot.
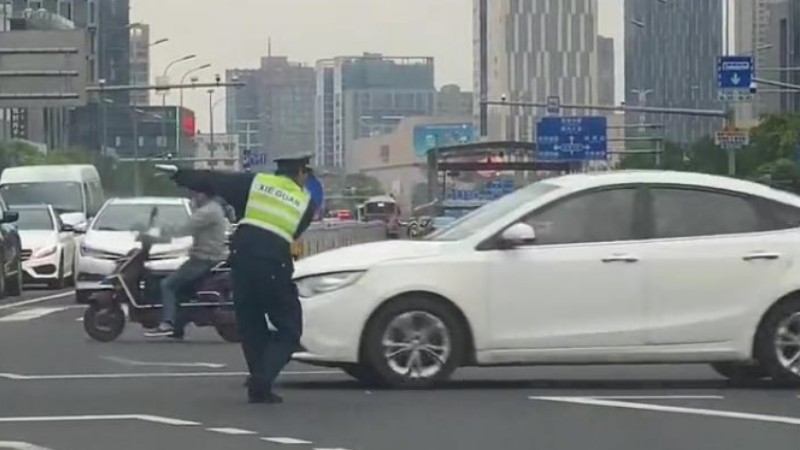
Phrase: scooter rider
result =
(207, 227)
(274, 210)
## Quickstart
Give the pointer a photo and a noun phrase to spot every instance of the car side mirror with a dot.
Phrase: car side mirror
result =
(517, 235)
(67, 228)
(79, 228)
(9, 217)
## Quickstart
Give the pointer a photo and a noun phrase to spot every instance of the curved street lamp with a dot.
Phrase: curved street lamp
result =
(189, 72)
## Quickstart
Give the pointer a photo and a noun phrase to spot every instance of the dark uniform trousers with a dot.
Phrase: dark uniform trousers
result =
(264, 286)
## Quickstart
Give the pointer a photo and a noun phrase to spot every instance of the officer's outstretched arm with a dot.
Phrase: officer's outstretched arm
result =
(233, 187)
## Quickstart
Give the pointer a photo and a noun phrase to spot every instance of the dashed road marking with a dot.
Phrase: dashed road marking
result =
(32, 301)
(655, 397)
(232, 431)
(285, 440)
(15, 445)
(31, 314)
(133, 362)
(673, 409)
(98, 417)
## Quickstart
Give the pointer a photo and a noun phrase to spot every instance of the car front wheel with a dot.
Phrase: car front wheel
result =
(740, 372)
(778, 342)
(414, 342)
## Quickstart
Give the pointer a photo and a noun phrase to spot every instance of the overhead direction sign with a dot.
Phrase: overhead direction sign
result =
(732, 138)
(572, 138)
(734, 77)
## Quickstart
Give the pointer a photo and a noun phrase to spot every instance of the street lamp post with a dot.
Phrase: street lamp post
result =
(103, 117)
(189, 72)
(164, 97)
(211, 116)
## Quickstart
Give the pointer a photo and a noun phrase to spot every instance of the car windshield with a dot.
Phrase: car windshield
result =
(64, 196)
(469, 224)
(172, 219)
(34, 219)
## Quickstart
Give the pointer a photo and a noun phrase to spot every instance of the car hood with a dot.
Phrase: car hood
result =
(33, 239)
(364, 256)
(121, 242)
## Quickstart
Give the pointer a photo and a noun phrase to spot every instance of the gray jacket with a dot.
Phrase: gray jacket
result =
(207, 227)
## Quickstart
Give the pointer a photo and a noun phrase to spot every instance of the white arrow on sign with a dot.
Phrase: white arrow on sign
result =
(736, 79)
(132, 362)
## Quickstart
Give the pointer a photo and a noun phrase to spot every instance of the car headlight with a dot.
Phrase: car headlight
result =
(42, 252)
(95, 253)
(319, 284)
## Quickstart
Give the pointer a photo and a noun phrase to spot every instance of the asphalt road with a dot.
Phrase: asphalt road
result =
(61, 391)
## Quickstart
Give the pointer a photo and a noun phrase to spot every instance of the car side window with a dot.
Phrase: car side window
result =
(681, 212)
(602, 216)
(780, 216)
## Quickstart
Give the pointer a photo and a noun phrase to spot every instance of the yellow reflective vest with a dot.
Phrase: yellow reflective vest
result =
(277, 204)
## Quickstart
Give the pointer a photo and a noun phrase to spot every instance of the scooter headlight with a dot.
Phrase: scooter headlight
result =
(319, 284)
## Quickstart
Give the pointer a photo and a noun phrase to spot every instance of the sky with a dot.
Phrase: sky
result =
(235, 36)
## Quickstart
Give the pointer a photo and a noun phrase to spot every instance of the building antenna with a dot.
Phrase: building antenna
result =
(269, 46)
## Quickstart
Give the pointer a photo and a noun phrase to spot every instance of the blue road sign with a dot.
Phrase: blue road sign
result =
(553, 105)
(572, 138)
(734, 76)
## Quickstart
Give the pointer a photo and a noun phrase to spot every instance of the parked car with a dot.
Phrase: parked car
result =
(112, 234)
(48, 246)
(10, 253)
(621, 267)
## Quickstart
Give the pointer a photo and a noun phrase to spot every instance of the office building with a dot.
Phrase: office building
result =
(605, 71)
(451, 101)
(367, 95)
(670, 54)
(527, 51)
(242, 113)
(140, 62)
(273, 114)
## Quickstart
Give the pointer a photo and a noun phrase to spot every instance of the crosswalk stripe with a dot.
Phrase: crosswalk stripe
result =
(31, 314)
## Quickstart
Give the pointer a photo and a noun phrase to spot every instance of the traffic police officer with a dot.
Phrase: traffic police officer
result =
(273, 211)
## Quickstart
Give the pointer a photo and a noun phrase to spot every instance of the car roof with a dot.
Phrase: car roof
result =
(31, 206)
(148, 201)
(590, 180)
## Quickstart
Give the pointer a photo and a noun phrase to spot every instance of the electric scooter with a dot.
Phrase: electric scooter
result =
(207, 303)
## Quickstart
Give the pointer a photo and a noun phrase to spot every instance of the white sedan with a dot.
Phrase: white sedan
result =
(620, 267)
(48, 246)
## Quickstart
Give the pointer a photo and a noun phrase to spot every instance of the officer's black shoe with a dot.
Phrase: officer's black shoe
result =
(262, 397)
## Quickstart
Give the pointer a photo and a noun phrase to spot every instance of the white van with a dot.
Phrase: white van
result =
(74, 191)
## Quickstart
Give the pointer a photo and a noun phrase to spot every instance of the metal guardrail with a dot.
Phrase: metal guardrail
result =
(328, 235)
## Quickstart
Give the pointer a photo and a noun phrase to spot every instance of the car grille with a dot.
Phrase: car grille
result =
(26, 254)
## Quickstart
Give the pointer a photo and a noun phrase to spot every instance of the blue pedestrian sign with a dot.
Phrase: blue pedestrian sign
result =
(572, 138)
(734, 77)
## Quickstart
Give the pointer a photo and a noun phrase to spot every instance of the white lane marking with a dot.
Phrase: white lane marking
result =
(15, 445)
(654, 397)
(98, 417)
(674, 409)
(231, 431)
(101, 376)
(31, 314)
(32, 301)
(133, 362)
(285, 440)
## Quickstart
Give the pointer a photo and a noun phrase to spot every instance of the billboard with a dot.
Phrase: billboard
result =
(427, 137)
(43, 68)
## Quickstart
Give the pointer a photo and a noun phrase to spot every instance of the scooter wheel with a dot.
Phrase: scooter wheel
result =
(104, 323)
(229, 333)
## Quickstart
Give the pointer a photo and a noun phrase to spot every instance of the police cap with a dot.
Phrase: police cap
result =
(293, 161)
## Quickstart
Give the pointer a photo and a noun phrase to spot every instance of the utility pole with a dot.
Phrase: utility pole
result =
(211, 116)
(136, 185)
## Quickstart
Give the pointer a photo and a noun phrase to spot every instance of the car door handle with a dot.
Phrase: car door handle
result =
(620, 258)
(761, 255)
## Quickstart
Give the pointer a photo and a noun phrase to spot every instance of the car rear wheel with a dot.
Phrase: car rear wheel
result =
(415, 342)
(778, 342)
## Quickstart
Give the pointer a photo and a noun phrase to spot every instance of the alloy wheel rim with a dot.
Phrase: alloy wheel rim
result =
(416, 345)
(104, 319)
(787, 343)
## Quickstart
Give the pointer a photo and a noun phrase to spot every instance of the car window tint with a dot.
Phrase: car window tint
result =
(687, 213)
(780, 216)
(603, 216)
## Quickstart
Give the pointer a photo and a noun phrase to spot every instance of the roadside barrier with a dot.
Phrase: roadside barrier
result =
(328, 235)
